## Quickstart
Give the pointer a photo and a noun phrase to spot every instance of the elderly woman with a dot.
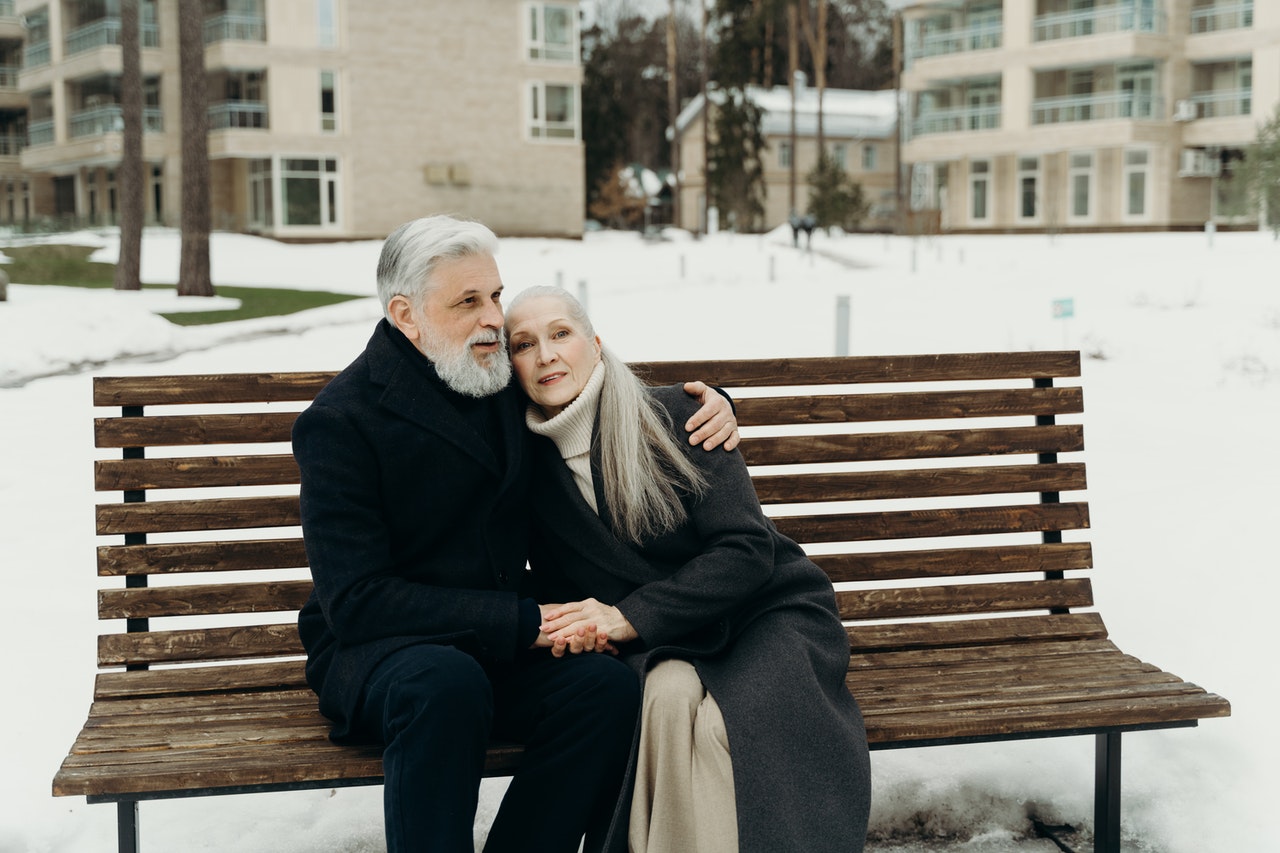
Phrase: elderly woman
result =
(749, 739)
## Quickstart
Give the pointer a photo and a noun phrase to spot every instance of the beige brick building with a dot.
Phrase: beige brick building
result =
(1085, 114)
(329, 119)
(858, 131)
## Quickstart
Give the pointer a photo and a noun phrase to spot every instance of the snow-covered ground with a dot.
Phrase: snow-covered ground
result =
(1182, 382)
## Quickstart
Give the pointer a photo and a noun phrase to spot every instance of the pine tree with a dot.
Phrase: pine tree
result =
(835, 199)
(1261, 172)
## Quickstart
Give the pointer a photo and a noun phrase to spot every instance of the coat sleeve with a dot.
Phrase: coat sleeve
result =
(362, 592)
(732, 555)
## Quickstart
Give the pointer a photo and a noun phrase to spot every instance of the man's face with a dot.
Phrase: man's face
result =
(458, 325)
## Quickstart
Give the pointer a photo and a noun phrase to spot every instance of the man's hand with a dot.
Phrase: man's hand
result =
(585, 626)
(714, 425)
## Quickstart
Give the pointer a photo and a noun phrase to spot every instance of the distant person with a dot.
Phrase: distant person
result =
(422, 634)
(749, 737)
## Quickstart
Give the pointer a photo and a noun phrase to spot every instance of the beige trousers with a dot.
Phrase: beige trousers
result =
(683, 797)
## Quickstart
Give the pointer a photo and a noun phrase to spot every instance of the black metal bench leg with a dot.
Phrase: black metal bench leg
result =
(127, 826)
(1106, 794)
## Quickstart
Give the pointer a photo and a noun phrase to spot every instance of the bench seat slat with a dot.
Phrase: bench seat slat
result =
(185, 557)
(956, 562)
(975, 632)
(921, 444)
(185, 430)
(896, 368)
(995, 657)
(912, 524)
(201, 680)
(208, 644)
(208, 388)
(202, 599)
(201, 514)
(908, 406)
(919, 483)
(195, 472)
(964, 599)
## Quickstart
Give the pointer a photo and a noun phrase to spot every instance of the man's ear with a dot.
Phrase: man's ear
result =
(401, 314)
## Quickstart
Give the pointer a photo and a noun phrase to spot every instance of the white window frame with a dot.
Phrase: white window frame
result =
(1037, 177)
(536, 126)
(988, 184)
(1126, 171)
(330, 181)
(327, 36)
(784, 154)
(534, 16)
(329, 121)
(870, 157)
(1090, 174)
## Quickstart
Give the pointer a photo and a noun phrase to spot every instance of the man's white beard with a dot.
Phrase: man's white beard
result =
(459, 368)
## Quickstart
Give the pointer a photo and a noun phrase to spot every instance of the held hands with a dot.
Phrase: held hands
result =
(583, 626)
(714, 425)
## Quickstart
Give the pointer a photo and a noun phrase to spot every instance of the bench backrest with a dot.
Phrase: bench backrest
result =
(929, 487)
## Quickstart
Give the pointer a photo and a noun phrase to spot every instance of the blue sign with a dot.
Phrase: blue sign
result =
(1064, 308)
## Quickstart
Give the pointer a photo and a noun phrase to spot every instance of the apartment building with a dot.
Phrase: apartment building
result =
(1085, 114)
(858, 132)
(329, 119)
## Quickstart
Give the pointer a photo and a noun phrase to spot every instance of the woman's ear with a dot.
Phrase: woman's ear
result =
(400, 312)
(598, 345)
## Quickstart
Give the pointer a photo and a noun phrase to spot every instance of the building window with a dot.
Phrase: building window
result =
(1028, 187)
(1137, 187)
(553, 111)
(1080, 186)
(328, 102)
(308, 191)
(552, 31)
(260, 197)
(840, 155)
(157, 194)
(327, 23)
(980, 190)
(870, 158)
(784, 155)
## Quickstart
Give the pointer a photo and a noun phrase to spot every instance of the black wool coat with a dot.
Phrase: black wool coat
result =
(415, 526)
(758, 619)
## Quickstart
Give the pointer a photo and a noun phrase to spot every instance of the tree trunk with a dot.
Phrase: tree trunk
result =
(817, 41)
(130, 175)
(793, 66)
(673, 112)
(193, 270)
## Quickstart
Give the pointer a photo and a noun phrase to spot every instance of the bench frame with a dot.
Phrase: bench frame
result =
(109, 785)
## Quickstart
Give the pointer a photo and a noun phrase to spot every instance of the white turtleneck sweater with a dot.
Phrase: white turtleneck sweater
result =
(571, 431)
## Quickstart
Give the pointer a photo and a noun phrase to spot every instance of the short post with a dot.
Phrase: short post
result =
(842, 325)
(682, 266)
(915, 250)
(582, 293)
(4, 285)
(560, 279)
(772, 269)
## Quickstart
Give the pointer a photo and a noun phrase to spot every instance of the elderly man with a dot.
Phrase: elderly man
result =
(423, 630)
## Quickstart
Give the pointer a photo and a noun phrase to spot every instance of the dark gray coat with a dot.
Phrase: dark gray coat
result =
(758, 618)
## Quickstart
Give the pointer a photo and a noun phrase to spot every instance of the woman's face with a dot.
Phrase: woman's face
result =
(553, 358)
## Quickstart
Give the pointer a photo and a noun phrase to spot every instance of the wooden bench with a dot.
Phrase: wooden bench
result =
(934, 489)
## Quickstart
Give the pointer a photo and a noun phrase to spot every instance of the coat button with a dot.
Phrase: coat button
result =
(502, 577)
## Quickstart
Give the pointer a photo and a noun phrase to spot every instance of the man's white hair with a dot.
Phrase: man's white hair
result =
(412, 252)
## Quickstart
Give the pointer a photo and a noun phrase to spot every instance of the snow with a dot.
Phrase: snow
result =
(1182, 369)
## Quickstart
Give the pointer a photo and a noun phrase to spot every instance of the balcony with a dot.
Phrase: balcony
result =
(36, 54)
(11, 144)
(1142, 17)
(1223, 104)
(1214, 17)
(40, 132)
(97, 121)
(985, 35)
(230, 27)
(7, 9)
(238, 114)
(104, 32)
(9, 76)
(1099, 106)
(957, 119)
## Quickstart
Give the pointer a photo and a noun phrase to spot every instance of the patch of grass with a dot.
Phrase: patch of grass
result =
(69, 266)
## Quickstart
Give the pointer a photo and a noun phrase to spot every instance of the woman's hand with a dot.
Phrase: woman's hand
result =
(584, 626)
(714, 424)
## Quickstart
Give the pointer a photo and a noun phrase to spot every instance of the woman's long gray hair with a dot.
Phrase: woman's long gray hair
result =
(645, 470)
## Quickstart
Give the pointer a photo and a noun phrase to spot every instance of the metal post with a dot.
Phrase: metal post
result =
(127, 826)
(842, 325)
(1106, 794)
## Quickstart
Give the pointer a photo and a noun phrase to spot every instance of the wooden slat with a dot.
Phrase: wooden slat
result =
(908, 406)
(208, 388)
(195, 472)
(976, 632)
(956, 562)
(182, 557)
(964, 599)
(925, 523)
(209, 644)
(186, 430)
(202, 599)
(900, 368)
(213, 514)
(919, 483)
(923, 662)
(928, 444)
(201, 680)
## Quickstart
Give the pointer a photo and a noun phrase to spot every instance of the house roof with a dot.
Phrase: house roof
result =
(852, 113)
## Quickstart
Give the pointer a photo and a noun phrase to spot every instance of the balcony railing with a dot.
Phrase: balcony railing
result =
(229, 27)
(984, 36)
(106, 31)
(1222, 103)
(11, 144)
(235, 114)
(9, 76)
(1096, 107)
(37, 53)
(40, 132)
(110, 119)
(1222, 16)
(956, 119)
(1107, 19)
(7, 9)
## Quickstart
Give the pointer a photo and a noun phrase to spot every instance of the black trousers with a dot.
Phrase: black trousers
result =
(435, 709)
